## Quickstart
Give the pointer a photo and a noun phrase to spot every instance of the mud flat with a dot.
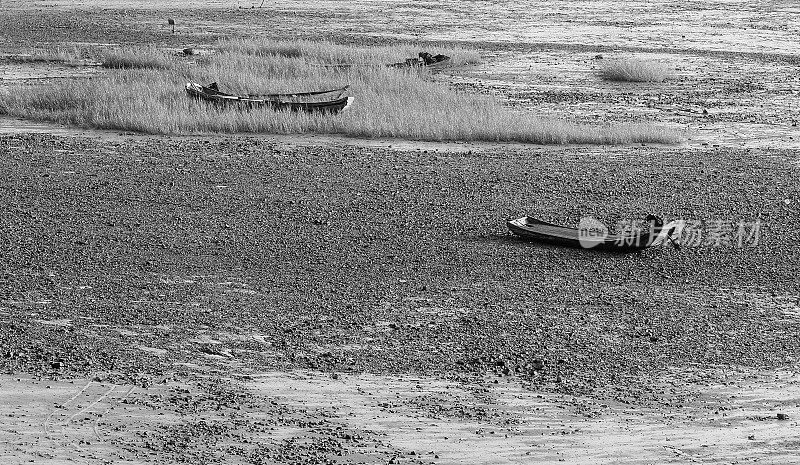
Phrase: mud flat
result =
(312, 416)
(293, 299)
(250, 259)
(733, 79)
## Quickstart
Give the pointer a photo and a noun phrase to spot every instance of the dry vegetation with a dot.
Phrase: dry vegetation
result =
(329, 53)
(633, 70)
(56, 55)
(138, 57)
(145, 93)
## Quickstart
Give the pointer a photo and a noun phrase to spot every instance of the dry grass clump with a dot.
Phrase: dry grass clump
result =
(633, 70)
(330, 53)
(137, 58)
(388, 102)
(56, 55)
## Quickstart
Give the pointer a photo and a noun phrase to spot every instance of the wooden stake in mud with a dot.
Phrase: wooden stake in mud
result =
(171, 22)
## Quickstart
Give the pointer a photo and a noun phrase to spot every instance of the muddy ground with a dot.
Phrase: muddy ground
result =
(265, 299)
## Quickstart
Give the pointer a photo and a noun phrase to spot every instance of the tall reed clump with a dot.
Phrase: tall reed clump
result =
(136, 58)
(388, 102)
(634, 70)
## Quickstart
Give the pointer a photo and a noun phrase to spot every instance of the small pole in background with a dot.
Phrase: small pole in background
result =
(171, 22)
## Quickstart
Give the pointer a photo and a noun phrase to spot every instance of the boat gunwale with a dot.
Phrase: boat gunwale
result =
(521, 227)
(211, 95)
(208, 92)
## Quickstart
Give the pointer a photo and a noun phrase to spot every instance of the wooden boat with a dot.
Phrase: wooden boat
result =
(327, 101)
(591, 235)
(421, 63)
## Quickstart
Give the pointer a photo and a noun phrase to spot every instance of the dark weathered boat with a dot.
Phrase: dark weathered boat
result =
(425, 60)
(327, 101)
(590, 237)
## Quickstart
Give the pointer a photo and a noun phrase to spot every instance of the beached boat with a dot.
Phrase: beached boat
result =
(591, 235)
(327, 101)
(425, 60)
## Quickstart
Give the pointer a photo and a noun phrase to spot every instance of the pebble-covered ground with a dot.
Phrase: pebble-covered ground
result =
(129, 256)
(187, 267)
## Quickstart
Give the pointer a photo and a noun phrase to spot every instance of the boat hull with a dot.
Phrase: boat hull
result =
(539, 231)
(312, 102)
(414, 65)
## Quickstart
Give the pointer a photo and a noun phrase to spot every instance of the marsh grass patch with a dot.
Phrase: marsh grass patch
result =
(137, 58)
(144, 91)
(329, 53)
(634, 70)
(54, 55)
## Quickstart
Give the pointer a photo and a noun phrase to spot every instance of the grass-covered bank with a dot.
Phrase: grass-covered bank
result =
(144, 92)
